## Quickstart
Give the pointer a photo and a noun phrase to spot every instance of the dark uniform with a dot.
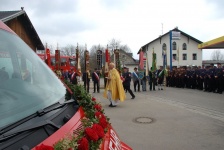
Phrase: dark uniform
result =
(86, 80)
(201, 75)
(152, 80)
(96, 80)
(206, 79)
(160, 77)
(126, 82)
(188, 78)
(211, 79)
(219, 79)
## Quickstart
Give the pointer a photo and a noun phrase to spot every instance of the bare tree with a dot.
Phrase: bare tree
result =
(125, 48)
(116, 44)
(217, 55)
(69, 50)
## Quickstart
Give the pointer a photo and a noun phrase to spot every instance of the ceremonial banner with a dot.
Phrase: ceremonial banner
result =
(87, 60)
(57, 60)
(146, 65)
(48, 57)
(141, 61)
(107, 61)
(153, 61)
(78, 66)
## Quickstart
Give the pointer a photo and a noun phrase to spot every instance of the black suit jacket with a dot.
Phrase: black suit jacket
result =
(85, 77)
(94, 77)
(127, 78)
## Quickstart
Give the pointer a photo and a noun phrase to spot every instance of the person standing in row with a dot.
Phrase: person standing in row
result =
(160, 77)
(152, 80)
(219, 79)
(86, 80)
(96, 80)
(114, 90)
(136, 79)
(126, 81)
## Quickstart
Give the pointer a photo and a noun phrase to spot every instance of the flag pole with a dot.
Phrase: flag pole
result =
(147, 68)
(171, 50)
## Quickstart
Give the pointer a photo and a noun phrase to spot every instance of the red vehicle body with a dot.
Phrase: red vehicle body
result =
(66, 62)
(33, 109)
(110, 142)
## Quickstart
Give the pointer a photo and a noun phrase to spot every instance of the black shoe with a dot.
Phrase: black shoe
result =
(133, 97)
(161, 88)
(112, 105)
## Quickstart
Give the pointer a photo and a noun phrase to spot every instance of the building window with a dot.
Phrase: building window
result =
(174, 46)
(174, 56)
(194, 56)
(164, 46)
(184, 56)
(184, 46)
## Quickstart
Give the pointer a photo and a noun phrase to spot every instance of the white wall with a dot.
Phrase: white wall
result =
(192, 47)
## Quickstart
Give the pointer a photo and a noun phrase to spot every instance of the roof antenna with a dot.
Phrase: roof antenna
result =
(22, 8)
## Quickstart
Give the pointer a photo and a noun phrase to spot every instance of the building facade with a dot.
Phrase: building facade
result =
(185, 50)
(126, 60)
(20, 23)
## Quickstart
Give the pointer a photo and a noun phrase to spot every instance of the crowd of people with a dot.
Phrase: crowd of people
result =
(75, 77)
(209, 78)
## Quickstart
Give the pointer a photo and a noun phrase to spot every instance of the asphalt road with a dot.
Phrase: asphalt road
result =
(172, 119)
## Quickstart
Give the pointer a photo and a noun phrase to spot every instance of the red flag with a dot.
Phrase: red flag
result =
(107, 55)
(141, 61)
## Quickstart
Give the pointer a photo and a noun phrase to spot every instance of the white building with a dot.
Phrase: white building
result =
(185, 51)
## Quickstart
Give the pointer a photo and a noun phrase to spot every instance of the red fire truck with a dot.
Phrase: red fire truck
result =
(66, 62)
(34, 110)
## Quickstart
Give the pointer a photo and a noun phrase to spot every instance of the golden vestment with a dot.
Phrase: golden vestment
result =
(115, 86)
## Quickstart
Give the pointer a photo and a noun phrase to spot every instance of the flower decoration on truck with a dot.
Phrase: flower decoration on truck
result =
(93, 128)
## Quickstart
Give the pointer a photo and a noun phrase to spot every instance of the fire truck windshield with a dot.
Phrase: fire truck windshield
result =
(26, 82)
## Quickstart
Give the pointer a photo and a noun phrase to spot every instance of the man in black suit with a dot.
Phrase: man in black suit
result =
(219, 78)
(96, 79)
(126, 81)
(86, 80)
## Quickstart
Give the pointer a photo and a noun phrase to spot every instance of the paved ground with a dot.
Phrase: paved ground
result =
(182, 119)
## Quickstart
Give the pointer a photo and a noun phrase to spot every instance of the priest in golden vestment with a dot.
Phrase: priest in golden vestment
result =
(114, 90)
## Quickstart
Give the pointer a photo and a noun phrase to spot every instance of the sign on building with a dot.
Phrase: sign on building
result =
(175, 35)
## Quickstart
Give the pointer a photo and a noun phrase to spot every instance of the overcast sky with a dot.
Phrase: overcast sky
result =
(133, 22)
